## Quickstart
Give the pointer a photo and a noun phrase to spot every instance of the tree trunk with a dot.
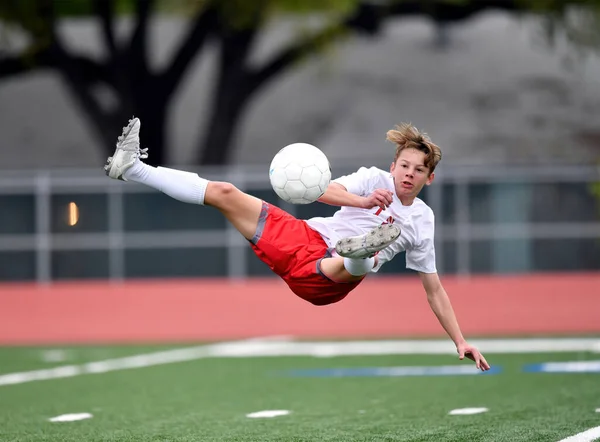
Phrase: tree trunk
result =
(153, 133)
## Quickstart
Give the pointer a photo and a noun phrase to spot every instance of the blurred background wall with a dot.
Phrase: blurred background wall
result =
(508, 89)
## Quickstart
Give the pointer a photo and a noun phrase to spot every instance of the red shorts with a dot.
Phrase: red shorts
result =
(294, 252)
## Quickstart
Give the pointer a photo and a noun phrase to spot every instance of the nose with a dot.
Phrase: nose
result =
(409, 173)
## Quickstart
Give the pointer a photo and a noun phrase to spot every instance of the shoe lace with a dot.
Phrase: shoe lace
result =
(142, 153)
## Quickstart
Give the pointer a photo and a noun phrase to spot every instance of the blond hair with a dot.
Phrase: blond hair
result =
(406, 136)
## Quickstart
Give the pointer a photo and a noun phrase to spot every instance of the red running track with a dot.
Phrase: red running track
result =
(209, 309)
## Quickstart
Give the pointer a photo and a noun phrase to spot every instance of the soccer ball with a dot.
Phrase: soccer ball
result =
(300, 173)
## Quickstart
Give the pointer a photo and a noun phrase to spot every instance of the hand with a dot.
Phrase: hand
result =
(473, 354)
(379, 198)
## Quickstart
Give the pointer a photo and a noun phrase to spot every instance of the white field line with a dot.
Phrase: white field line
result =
(71, 417)
(571, 367)
(268, 413)
(586, 436)
(468, 411)
(284, 347)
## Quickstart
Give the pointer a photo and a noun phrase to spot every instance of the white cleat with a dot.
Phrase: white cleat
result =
(127, 152)
(367, 245)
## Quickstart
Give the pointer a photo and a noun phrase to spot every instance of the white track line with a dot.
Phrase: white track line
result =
(283, 347)
(587, 436)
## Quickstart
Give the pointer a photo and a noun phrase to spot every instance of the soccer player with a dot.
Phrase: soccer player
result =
(323, 259)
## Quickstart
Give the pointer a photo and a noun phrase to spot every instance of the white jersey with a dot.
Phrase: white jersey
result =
(416, 221)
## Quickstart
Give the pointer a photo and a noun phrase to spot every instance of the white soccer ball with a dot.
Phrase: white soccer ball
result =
(300, 173)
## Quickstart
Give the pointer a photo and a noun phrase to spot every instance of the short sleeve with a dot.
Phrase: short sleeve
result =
(422, 257)
(359, 182)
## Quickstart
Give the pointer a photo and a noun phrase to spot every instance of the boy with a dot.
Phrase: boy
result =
(323, 259)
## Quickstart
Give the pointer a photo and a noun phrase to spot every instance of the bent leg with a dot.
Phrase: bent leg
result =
(339, 269)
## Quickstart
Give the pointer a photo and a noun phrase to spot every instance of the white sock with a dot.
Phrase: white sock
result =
(359, 267)
(183, 186)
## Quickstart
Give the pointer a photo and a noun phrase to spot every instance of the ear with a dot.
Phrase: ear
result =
(430, 179)
(392, 167)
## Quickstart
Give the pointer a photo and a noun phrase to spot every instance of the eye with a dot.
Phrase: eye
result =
(420, 170)
(405, 166)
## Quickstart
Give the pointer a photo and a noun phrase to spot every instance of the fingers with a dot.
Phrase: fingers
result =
(473, 354)
(480, 361)
(387, 195)
(477, 359)
(484, 364)
(383, 198)
(381, 202)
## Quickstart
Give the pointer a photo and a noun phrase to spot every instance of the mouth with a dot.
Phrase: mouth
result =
(407, 184)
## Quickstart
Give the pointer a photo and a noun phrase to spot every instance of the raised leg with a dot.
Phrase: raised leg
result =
(242, 210)
(340, 269)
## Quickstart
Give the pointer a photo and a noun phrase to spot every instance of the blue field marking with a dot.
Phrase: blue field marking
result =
(564, 367)
(444, 370)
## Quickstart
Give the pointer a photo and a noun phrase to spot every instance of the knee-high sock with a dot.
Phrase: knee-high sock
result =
(359, 267)
(183, 186)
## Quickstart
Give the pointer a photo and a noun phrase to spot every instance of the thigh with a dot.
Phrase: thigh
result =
(243, 211)
(280, 239)
(310, 283)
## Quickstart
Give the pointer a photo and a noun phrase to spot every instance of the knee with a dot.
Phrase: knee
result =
(220, 193)
(223, 189)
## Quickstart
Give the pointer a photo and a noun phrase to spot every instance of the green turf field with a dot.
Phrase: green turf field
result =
(208, 399)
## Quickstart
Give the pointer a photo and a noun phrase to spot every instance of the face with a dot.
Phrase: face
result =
(410, 174)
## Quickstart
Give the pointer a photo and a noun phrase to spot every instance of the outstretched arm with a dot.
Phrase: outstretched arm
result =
(337, 195)
(442, 307)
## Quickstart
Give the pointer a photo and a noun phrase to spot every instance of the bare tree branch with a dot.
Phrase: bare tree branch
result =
(91, 71)
(11, 66)
(367, 18)
(105, 11)
(236, 47)
(296, 52)
(138, 48)
(446, 11)
(79, 73)
(190, 46)
(47, 13)
(80, 89)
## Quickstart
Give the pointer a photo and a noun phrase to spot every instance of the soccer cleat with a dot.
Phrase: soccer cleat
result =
(367, 245)
(127, 152)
